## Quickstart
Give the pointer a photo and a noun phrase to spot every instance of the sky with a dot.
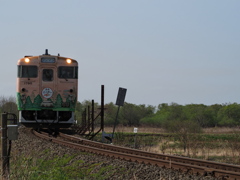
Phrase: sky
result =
(161, 51)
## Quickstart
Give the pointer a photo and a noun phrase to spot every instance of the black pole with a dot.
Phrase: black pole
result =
(89, 118)
(5, 165)
(93, 116)
(102, 108)
(115, 123)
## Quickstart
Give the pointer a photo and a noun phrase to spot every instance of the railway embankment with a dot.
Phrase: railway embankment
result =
(35, 158)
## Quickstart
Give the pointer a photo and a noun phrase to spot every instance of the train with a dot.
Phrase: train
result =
(47, 87)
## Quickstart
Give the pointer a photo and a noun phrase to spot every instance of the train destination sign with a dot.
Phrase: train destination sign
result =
(48, 60)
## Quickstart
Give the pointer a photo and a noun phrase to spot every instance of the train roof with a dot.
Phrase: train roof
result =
(45, 56)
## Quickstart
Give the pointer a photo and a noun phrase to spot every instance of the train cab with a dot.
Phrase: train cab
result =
(47, 89)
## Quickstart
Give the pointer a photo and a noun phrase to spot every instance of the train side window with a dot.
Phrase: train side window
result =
(47, 75)
(76, 72)
(27, 71)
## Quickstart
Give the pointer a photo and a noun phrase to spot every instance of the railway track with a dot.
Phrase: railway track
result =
(194, 166)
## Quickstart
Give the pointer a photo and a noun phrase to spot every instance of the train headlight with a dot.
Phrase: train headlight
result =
(69, 61)
(27, 60)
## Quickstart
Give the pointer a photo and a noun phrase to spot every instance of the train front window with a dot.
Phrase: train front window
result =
(27, 71)
(67, 72)
(47, 75)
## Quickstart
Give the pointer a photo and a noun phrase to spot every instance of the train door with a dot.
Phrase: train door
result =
(48, 85)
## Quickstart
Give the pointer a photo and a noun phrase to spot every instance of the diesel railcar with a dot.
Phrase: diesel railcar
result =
(47, 87)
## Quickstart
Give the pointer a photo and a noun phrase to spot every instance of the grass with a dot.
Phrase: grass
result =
(211, 145)
(58, 168)
(33, 168)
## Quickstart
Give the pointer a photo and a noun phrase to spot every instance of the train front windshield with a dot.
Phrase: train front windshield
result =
(68, 72)
(27, 71)
(47, 75)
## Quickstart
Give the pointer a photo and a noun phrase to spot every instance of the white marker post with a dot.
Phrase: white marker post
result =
(135, 132)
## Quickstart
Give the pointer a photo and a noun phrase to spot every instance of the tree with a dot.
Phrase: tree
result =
(229, 115)
(8, 105)
(110, 114)
(213, 111)
(184, 131)
(198, 113)
(131, 114)
(176, 112)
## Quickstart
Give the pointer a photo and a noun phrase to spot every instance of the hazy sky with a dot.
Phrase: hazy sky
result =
(162, 51)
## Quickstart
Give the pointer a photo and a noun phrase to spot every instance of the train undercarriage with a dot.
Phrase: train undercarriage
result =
(46, 118)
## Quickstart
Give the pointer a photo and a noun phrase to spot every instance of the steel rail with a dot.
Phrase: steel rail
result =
(198, 162)
(143, 157)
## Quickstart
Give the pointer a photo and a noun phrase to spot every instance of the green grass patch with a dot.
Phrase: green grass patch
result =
(66, 167)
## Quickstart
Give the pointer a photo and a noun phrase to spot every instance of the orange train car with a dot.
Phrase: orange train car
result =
(47, 87)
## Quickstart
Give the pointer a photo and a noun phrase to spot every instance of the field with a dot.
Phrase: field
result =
(216, 144)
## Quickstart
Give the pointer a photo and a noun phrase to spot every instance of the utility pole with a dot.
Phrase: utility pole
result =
(120, 102)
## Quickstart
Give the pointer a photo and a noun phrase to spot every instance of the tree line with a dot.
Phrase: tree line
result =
(227, 114)
(163, 115)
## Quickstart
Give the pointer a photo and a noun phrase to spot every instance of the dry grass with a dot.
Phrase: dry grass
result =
(227, 152)
(126, 129)
(221, 130)
(215, 130)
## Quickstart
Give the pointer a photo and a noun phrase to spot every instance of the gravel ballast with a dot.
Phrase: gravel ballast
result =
(31, 146)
